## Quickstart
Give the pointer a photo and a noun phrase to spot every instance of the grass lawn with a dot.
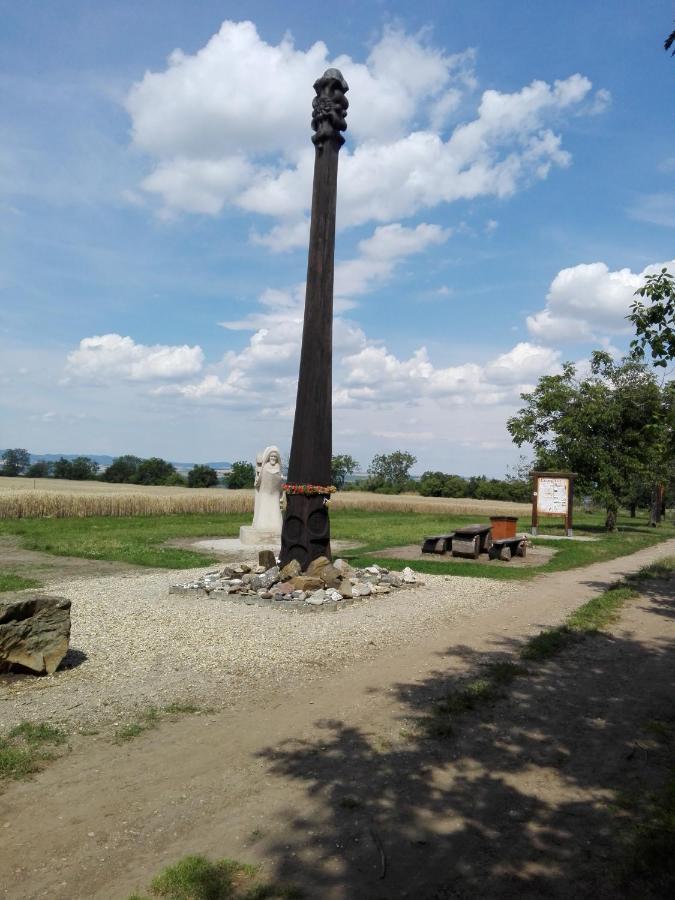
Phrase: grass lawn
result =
(138, 540)
(9, 581)
(133, 539)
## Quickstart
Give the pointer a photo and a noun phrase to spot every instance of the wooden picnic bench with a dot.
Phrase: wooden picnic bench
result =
(505, 548)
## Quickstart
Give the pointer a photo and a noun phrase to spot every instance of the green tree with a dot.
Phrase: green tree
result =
(342, 465)
(175, 479)
(14, 462)
(202, 476)
(473, 485)
(655, 321)
(605, 426)
(122, 470)
(62, 468)
(39, 469)
(390, 471)
(242, 475)
(660, 468)
(438, 484)
(82, 468)
(155, 471)
(432, 484)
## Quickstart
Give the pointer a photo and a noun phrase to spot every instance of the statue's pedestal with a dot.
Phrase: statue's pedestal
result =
(256, 537)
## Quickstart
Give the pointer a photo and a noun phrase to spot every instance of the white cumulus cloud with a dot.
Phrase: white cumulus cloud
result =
(111, 356)
(588, 302)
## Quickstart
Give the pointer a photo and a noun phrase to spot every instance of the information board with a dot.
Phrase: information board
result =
(553, 495)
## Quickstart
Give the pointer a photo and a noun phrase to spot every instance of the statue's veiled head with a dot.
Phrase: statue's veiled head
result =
(272, 456)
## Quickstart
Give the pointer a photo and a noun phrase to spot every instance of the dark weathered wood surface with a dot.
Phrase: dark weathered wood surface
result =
(472, 530)
(505, 548)
(439, 543)
(469, 546)
(482, 532)
(311, 447)
(306, 529)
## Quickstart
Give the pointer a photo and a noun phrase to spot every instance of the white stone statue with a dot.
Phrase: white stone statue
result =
(267, 519)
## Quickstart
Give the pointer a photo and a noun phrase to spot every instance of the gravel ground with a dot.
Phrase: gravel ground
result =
(144, 647)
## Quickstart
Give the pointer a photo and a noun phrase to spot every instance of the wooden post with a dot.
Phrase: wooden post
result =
(306, 530)
(535, 511)
(570, 501)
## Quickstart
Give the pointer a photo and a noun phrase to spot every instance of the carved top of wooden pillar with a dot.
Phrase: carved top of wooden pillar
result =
(329, 108)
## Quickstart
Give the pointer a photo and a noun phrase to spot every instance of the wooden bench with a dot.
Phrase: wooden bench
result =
(505, 548)
(439, 543)
(472, 540)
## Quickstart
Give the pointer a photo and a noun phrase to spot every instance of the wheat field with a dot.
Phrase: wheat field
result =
(24, 498)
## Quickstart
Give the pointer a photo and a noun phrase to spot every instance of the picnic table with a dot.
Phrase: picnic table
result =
(472, 540)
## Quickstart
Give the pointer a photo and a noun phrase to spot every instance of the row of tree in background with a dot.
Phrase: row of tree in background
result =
(123, 470)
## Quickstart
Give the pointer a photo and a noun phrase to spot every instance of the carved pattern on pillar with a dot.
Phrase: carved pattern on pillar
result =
(306, 532)
(329, 108)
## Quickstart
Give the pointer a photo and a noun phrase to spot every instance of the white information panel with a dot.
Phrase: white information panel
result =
(552, 495)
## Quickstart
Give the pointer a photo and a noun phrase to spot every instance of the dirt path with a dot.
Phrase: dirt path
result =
(319, 783)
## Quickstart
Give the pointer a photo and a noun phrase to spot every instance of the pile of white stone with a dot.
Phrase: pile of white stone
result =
(325, 584)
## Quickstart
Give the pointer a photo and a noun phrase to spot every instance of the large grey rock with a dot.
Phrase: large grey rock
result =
(34, 631)
(266, 580)
(393, 579)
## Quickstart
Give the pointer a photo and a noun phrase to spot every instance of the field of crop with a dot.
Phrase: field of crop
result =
(24, 498)
(62, 486)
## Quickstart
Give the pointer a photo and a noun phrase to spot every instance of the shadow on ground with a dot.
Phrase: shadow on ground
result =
(533, 795)
(12, 672)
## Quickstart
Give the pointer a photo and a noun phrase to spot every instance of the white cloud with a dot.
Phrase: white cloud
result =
(200, 186)
(523, 363)
(237, 93)
(501, 150)
(229, 125)
(110, 356)
(380, 253)
(657, 209)
(588, 302)
(602, 100)
(374, 375)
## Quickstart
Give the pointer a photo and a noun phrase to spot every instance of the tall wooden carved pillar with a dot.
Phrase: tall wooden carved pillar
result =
(306, 529)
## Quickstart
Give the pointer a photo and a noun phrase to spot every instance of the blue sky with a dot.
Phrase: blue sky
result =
(507, 180)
